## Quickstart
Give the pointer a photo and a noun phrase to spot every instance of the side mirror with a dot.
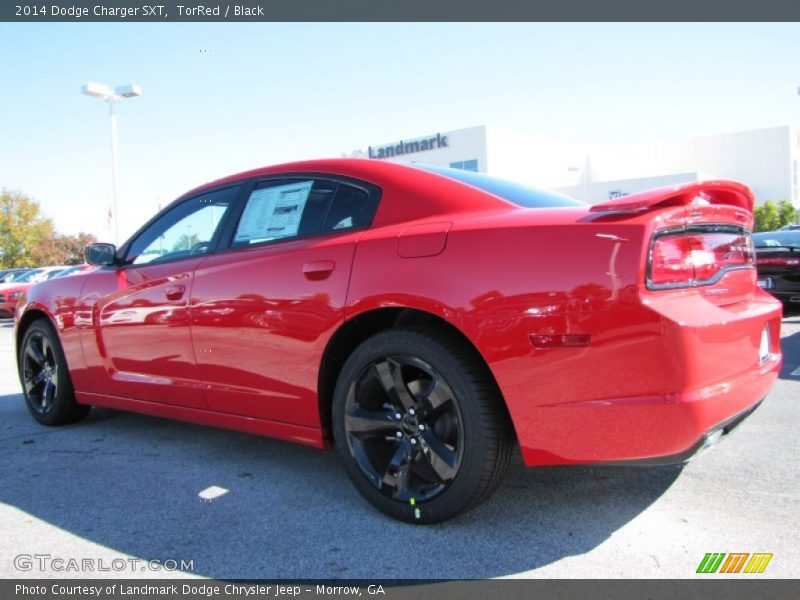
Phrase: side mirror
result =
(101, 255)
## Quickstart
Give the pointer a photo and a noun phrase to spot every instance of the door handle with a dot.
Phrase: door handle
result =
(175, 292)
(318, 269)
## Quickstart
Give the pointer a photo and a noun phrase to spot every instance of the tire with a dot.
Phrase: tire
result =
(45, 379)
(420, 425)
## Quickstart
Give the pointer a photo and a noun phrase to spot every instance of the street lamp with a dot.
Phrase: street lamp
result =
(118, 94)
(582, 171)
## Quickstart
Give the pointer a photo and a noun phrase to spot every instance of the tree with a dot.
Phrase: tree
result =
(766, 217)
(23, 228)
(75, 247)
(62, 249)
(787, 214)
(29, 239)
(186, 242)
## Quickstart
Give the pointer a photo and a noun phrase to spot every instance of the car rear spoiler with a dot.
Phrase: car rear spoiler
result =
(711, 192)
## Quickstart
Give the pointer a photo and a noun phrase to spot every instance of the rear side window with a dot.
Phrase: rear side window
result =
(351, 209)
(286, 209)
(516, 193)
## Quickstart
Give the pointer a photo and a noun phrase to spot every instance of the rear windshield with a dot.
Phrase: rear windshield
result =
(516, 193)
(777, 239)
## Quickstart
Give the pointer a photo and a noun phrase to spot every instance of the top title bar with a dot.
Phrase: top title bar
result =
(398, 10)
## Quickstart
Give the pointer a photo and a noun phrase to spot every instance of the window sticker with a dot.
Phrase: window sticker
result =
(274, 212)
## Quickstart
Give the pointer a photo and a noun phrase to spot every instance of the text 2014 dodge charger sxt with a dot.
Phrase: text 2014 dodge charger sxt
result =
(422, 320)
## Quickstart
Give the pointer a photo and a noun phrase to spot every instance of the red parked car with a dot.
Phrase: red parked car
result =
(422, 321)
(11, 292)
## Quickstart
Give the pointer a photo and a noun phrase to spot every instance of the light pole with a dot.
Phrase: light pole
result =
(118, 94)
(582, 171)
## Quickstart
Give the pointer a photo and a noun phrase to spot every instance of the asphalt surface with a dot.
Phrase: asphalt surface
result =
(120, 486)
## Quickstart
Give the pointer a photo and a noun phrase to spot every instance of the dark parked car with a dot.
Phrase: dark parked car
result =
(778, 263)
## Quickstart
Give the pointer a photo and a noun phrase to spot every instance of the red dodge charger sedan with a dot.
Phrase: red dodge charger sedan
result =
(423, 321)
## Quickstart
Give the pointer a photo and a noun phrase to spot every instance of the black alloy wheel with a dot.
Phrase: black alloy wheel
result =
(39, 373)
(45, 379)
(420, 425)
(404, 428)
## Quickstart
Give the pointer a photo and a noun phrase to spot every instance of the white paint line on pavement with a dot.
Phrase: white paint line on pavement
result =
(210, 493)
(795, 373)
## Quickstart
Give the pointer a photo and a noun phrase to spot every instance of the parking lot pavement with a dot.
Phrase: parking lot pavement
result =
(120, 486)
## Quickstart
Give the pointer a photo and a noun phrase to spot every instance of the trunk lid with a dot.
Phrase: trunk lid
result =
(700, 238)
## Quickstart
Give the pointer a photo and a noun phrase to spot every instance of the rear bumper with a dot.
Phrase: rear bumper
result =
(652, 395)
(781, 286)
(792, 296)
(649, 430)
(709, 439)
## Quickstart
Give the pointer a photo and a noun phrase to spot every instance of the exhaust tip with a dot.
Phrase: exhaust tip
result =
(711, 439)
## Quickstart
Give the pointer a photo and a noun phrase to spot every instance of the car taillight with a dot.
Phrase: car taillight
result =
(781, 261)
(696, 258)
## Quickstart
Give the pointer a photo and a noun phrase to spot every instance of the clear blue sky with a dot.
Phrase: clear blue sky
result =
(267, 93)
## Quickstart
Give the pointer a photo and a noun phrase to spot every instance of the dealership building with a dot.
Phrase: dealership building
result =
(765, 159)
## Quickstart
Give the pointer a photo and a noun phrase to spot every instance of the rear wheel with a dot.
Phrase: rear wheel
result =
(421, 428)
(45, 379)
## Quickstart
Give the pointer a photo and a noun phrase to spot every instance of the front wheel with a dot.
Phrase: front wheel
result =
(45, 378)
(420, 425)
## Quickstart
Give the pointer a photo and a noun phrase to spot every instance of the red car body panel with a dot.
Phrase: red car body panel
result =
(138, 343)
(8, 305)
(290, 314)
(238, 350)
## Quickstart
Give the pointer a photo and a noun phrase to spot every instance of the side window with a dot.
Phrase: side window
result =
(185, 230)
(284, 209)
(291, 208)
(352, 208)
